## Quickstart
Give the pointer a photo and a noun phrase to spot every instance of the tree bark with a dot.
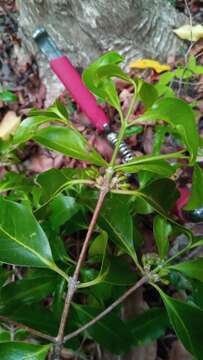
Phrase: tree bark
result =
(85, 29)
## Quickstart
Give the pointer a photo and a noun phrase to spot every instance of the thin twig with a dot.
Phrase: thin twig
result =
(25, 327)
(72, 285)
(141, 282)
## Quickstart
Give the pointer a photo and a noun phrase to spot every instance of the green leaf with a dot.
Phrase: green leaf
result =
(132, 130)
(62, 209)
(110, 332)
(50, 183)
(148, 326)
(27, 290)
(148, 94)
(193, 268)
(197, 293)
(8, 96)
(14, 181)
(96, 251)
(141, 206)
(13, 350)
(196, 198)
(166, 77)
(88, 75)
(161, 195)
(69, 142)
(4, 335)
(154, 163)
(119, 227)
(161, 229)
(159, 167)
(22, 240)
(180, 116)
(97, 246)
(28, 127)
(4, 275)
(98, 76)
(187, 321)
(35, 316)
(120, 273)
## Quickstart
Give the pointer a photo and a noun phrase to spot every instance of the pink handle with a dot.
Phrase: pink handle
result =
(78, 90)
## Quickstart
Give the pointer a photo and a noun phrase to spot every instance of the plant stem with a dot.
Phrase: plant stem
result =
(73, 281)
(141, 282)
(72, 285)
(119, 140)
(30, 330)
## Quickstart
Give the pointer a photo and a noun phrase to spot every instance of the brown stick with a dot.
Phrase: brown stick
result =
(25, 327)
(142, 281)
(72, 285)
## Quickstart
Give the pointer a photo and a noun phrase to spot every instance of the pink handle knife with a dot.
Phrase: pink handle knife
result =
(71, 79)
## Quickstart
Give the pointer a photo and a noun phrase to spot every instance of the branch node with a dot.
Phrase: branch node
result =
(72, 286)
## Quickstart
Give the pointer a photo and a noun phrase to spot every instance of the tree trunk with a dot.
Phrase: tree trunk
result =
(85, 29)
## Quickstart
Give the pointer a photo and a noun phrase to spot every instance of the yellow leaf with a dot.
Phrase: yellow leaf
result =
(8, 125)
(148, 63)
(191, 33)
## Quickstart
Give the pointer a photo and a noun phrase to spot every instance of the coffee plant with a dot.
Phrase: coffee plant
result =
(72, 244)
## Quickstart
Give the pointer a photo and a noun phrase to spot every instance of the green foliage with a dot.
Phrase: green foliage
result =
(196, 198)
(18, 351)
(186, 320)
(162, 230)
(148, 326)
(44, 219)
(8, 96)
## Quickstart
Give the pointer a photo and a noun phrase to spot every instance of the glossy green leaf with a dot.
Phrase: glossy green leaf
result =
(180, 116)
(62, 209)
(28, 127)
(132, 130)
(166, 77)
(148, 94)
(141, 206)
(119, 227)
(187, 321)
(120, 273)
(148, 326)
(8, 96)
(110, 332)
(98, 77)
(22, 240)
(48, 183)
(159, 167)
(69, 142)
(92, 277)
(4, 335)
(192, 268)
(35, 316)
(154, 163)
(27, 291)
(161, 195)
(197, 293)
(97, 246)
(14, 181)
(58, 298)
(4, 275)
(196, 198)
(161, 230)
(111, 70)
(88, 75)
(23, 351)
